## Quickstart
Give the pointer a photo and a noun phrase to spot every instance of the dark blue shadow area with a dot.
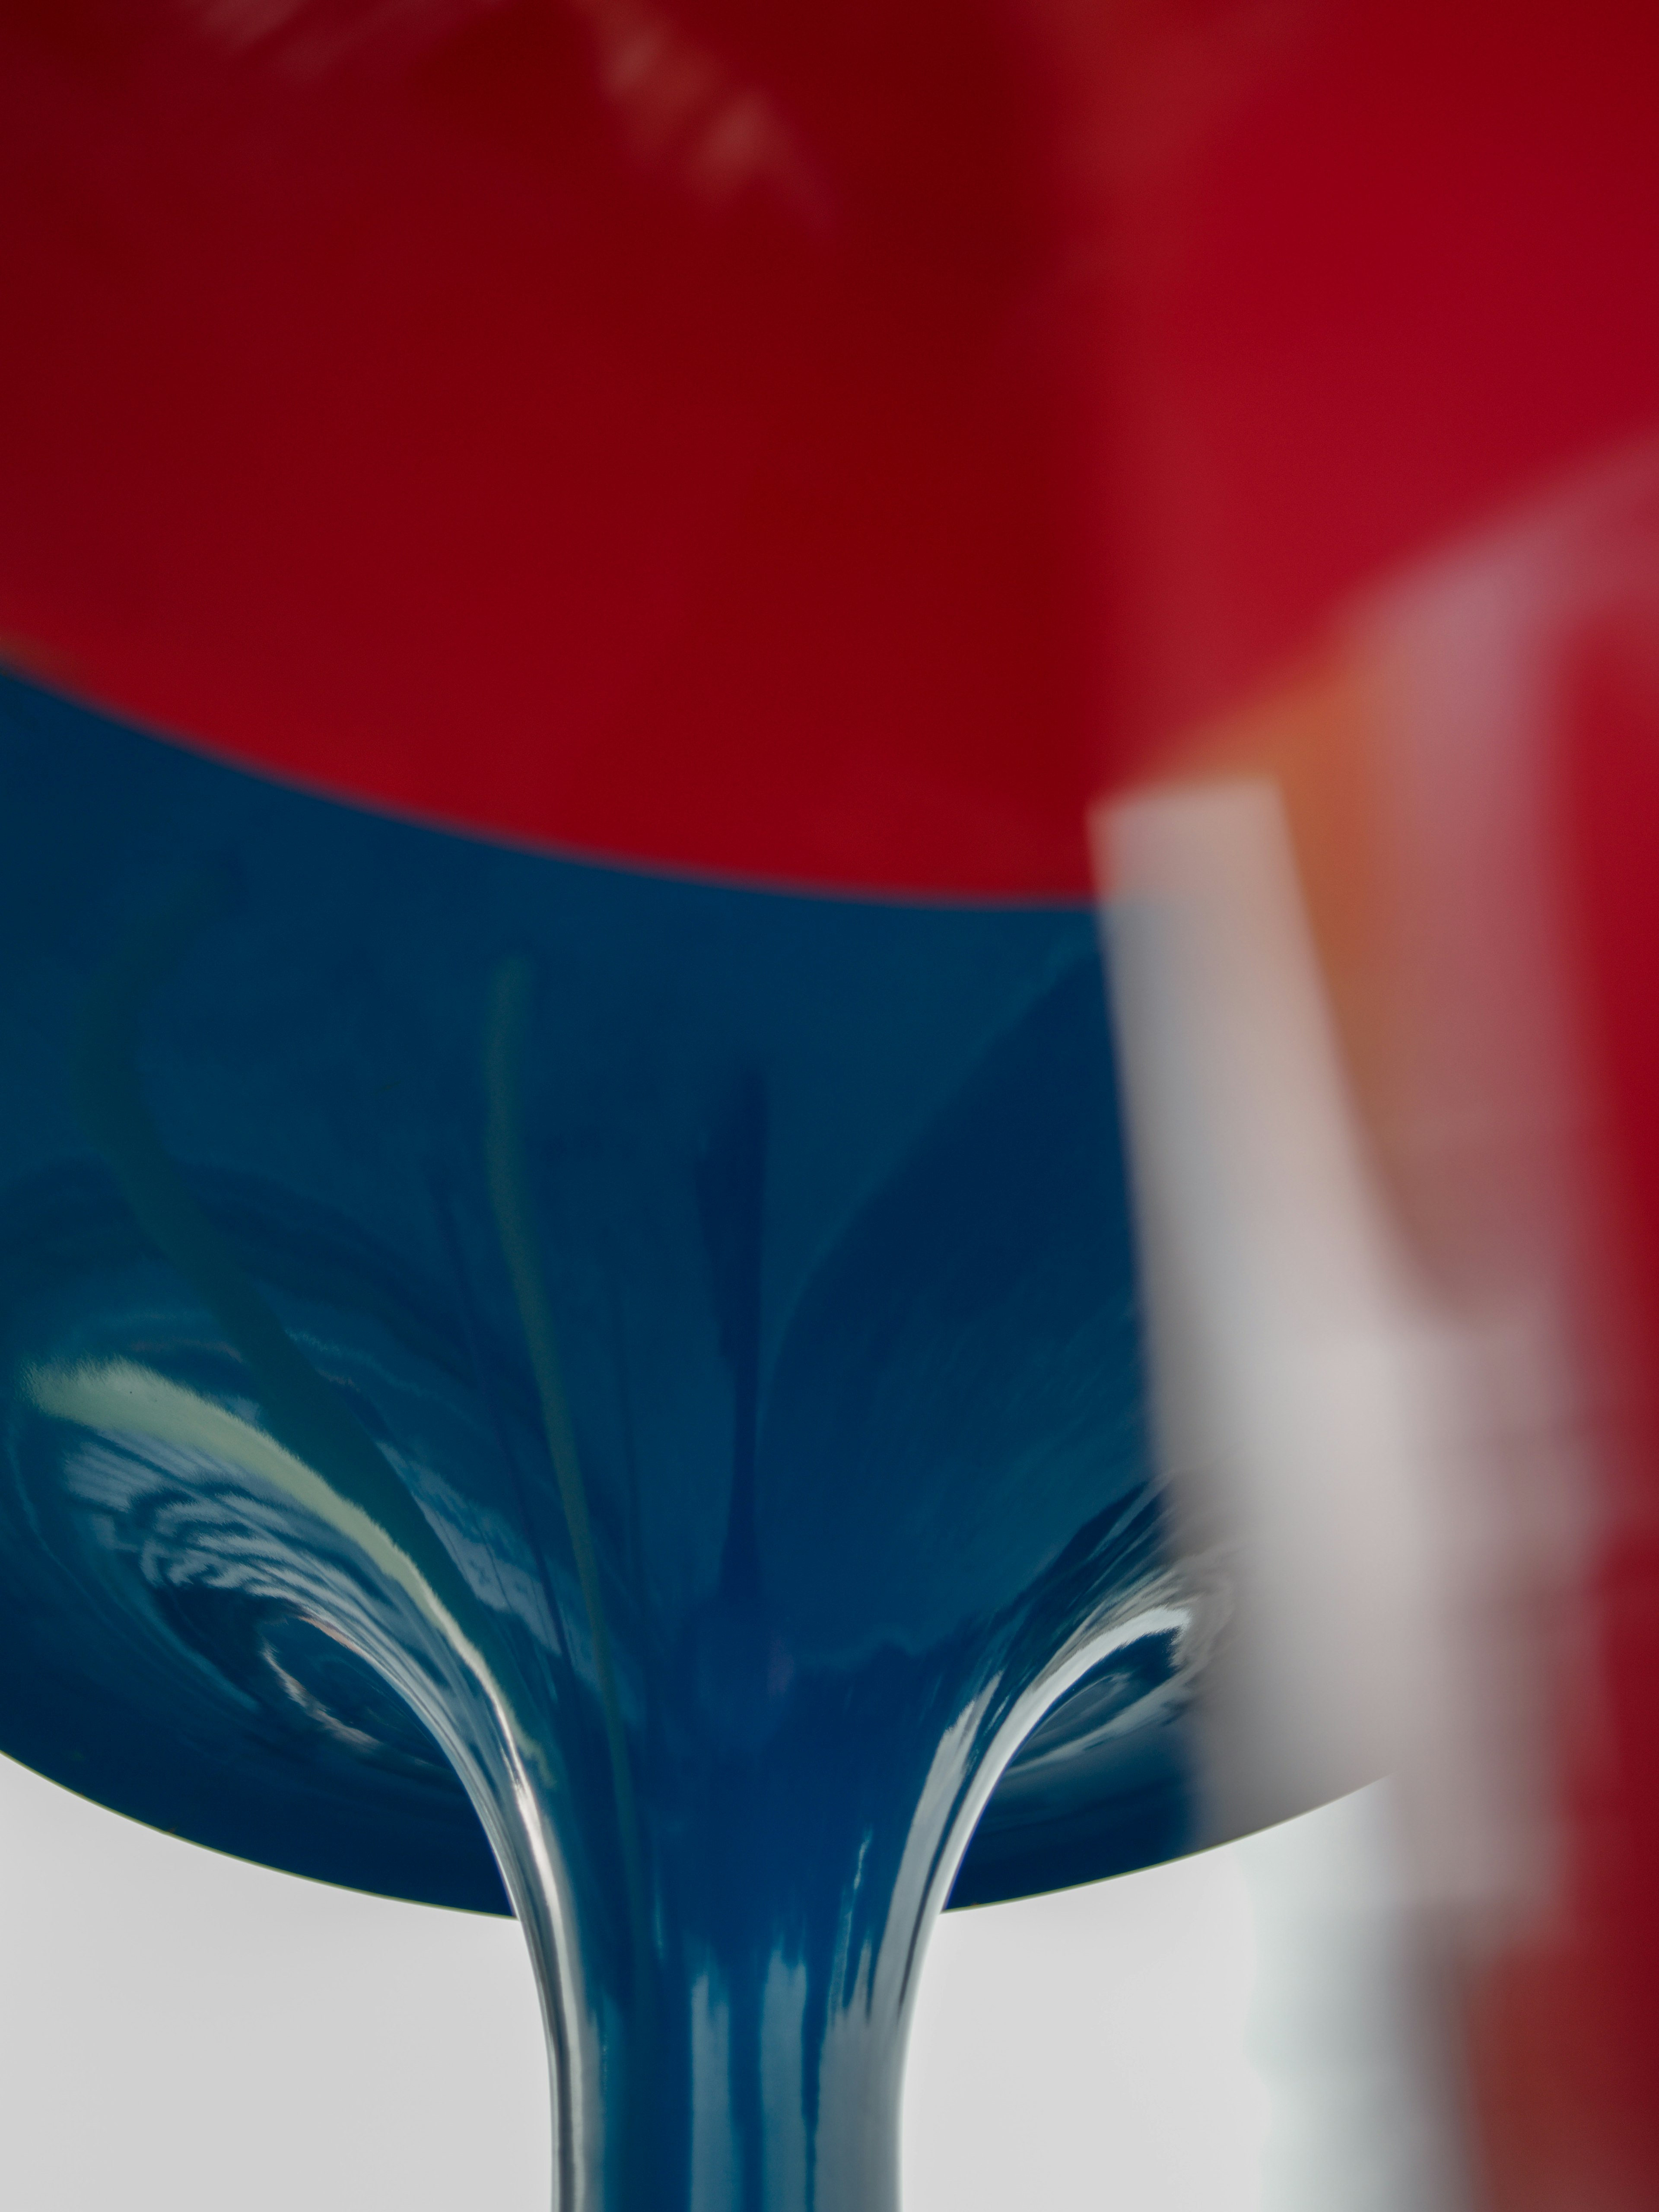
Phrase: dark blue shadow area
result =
(517, 1365)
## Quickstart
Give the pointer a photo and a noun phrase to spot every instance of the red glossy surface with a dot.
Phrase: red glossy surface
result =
(1566, 2051)
(812, 444)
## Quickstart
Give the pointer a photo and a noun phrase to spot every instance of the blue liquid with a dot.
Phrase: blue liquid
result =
(535, 1384)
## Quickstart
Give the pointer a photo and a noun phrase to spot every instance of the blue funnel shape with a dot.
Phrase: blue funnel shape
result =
(535, 1384)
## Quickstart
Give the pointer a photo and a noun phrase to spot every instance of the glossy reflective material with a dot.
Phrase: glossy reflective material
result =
(826, 444)
(667, 1357)
(635, 425)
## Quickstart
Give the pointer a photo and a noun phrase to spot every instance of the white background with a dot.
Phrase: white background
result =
(181, 2031)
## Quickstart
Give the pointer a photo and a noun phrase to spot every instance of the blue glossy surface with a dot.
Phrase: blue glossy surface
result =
(666, 1355)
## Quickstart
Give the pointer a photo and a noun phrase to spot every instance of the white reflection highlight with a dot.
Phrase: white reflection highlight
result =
(118, 1397)
(1309, 1402)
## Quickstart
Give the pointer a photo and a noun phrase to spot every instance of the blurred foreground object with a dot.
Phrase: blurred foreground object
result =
(1385, 958)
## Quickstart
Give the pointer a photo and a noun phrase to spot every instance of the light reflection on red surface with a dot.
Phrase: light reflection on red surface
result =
(809, 444)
